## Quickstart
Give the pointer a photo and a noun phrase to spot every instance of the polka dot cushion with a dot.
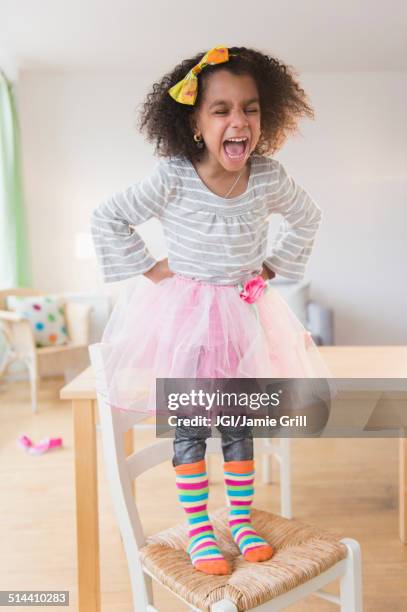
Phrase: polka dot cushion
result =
(46, 316)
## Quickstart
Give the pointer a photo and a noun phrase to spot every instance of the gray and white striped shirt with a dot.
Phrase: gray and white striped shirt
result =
(213, 239)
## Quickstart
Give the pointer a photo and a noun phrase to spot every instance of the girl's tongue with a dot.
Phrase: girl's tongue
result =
(234, 149)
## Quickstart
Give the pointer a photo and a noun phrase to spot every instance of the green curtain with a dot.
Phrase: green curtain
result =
(14, 271)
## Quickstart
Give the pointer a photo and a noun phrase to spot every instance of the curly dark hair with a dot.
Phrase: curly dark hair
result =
(167, 123)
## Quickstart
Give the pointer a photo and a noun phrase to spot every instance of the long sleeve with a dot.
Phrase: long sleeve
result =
(120, 250)
(296, 234)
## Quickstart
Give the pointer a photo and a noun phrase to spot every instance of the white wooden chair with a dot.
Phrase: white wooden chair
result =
(305, 560)
(68, 359)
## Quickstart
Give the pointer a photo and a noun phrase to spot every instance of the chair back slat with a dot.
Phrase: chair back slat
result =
(147, 458)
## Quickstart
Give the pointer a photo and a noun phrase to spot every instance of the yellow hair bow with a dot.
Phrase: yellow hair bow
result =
(186, 90)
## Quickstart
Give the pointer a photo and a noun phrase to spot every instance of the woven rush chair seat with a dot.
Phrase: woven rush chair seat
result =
(301, 552)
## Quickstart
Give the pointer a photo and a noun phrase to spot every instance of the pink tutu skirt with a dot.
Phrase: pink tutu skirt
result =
(183, 328)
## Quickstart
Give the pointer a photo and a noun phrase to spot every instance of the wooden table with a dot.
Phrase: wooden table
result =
(343, 362)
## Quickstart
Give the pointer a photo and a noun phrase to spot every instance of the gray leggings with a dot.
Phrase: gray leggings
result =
(190, 443)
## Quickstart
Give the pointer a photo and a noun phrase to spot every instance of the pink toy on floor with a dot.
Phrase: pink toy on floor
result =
(24, 442)
(41, 447)
(44, 445)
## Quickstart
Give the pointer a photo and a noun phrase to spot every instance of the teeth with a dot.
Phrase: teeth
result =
(237, 139)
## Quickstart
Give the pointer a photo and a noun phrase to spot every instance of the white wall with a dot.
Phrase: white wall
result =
(80, 144)
(353, 159)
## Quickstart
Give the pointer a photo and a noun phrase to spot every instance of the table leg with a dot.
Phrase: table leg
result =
(87, 517)
(403, 487)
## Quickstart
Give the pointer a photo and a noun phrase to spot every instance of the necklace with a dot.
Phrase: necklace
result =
(234, 184)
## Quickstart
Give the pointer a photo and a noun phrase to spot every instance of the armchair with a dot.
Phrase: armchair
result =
(67, 359)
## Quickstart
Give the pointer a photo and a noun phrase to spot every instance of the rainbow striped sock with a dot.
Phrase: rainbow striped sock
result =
(192, 485)
(239, 481)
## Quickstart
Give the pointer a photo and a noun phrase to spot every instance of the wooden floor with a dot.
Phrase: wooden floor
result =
(347, 486)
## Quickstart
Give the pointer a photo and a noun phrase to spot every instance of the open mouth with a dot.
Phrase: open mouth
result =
(235, 148)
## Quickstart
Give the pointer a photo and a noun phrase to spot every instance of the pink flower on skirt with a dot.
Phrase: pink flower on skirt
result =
(253, 289)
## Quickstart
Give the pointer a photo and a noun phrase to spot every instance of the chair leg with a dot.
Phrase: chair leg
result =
(285, 478)
(148, 581)
(266, 461)
(351, 581)
(32, 369)
(142, 591)
(281, 452)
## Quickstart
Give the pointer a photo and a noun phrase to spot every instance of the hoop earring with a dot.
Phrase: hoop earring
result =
(199, 140)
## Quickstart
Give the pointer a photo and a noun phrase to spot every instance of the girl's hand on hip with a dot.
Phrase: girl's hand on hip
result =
(267, 274)
(159, 272)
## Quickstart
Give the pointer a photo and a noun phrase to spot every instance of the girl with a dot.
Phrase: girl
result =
(208, 311)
